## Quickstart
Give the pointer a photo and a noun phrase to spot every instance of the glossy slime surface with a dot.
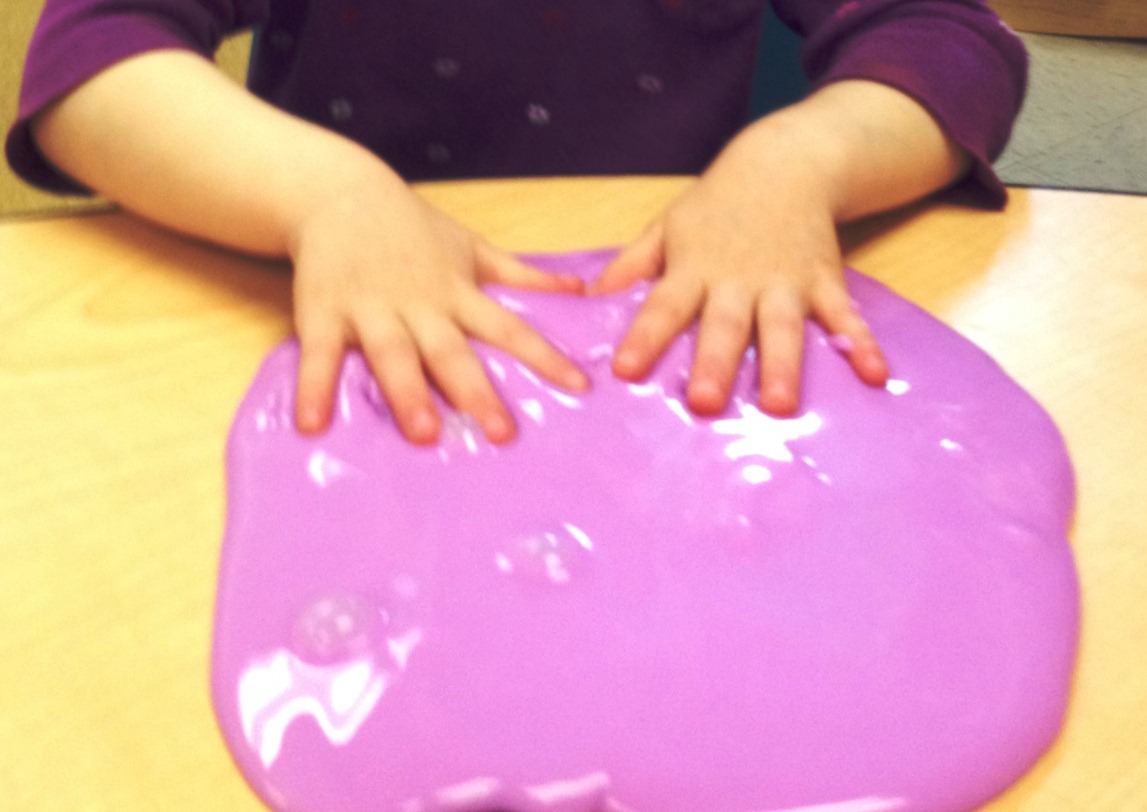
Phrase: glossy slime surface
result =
(870, 606)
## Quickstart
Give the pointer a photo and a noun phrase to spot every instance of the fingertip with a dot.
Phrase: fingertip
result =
(423, 427)
(498, 427)
(314, 397)
(320, 361)
(779, 399)
(605, 283)
(567, 283)
(628, 364)
(641, 259)
(868, 361)
(312, 415)
(574, 380)
(609, 272)
(873, 370)
(571, 283)
(497, 267)
(851, 336)
(706, 397)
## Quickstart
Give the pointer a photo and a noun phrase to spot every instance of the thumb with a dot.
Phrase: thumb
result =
(644, 258)
(497, 267)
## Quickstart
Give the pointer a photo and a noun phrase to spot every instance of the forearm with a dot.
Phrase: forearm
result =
(166, 135)
(864, 146)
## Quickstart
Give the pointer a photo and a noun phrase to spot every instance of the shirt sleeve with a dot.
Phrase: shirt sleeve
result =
(954, 57)
(76, 39)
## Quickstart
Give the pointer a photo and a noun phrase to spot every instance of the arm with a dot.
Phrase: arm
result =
(166, 135)
(169, 120)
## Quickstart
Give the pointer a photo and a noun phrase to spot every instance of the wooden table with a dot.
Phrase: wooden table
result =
(1123, 19)
(124, 353)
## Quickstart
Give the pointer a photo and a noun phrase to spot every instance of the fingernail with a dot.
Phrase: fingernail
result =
(498, 428)
(424, 425)
(625, 361)
(576, 381)
(573, 282)
(596, 286)
(703, 393)
(309, 419)
(778, 398)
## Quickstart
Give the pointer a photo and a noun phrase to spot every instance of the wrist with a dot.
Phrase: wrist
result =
(791, 156)
(339, 178)
(862, 146)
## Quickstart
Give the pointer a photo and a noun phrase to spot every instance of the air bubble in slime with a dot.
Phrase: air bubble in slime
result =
(870, 606)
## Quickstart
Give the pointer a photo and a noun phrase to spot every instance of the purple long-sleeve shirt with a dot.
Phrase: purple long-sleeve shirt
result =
(474, 88)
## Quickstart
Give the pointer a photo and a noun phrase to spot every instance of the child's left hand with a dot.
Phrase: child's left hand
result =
(751, 247)
(751, 250)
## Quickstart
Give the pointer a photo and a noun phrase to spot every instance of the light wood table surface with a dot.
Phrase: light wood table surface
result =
(1123, 19)
(124, 352)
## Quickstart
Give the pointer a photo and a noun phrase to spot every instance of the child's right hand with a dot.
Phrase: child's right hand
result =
(379, 268)
(375, 266)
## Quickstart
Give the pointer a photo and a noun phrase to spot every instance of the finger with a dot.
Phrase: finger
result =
(321, 350)
(485, 319)
(498, 267)
(724, 334)
(395, 363)
(780, 335)
(850, 333)
(644, 258)
(460, 376)
(668, 310)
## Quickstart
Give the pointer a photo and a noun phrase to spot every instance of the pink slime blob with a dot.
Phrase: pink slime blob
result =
(870, 606)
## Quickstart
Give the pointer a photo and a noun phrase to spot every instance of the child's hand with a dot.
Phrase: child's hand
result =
(381, 269)
(167, 135)
(752, 246)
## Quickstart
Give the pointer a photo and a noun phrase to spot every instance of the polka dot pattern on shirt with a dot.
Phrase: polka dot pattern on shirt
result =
(455, 85)
(341, 109)
(445, 67)
(538, 115)
(650, 84)
(437, 153)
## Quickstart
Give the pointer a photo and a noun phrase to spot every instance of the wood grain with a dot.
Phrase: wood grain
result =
(124, 352)
(1124, 19)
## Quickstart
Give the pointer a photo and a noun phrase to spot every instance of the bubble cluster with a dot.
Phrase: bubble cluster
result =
(551, 556)
(335, 627)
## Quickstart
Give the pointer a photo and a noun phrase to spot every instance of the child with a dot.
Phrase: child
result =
(350, 100)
